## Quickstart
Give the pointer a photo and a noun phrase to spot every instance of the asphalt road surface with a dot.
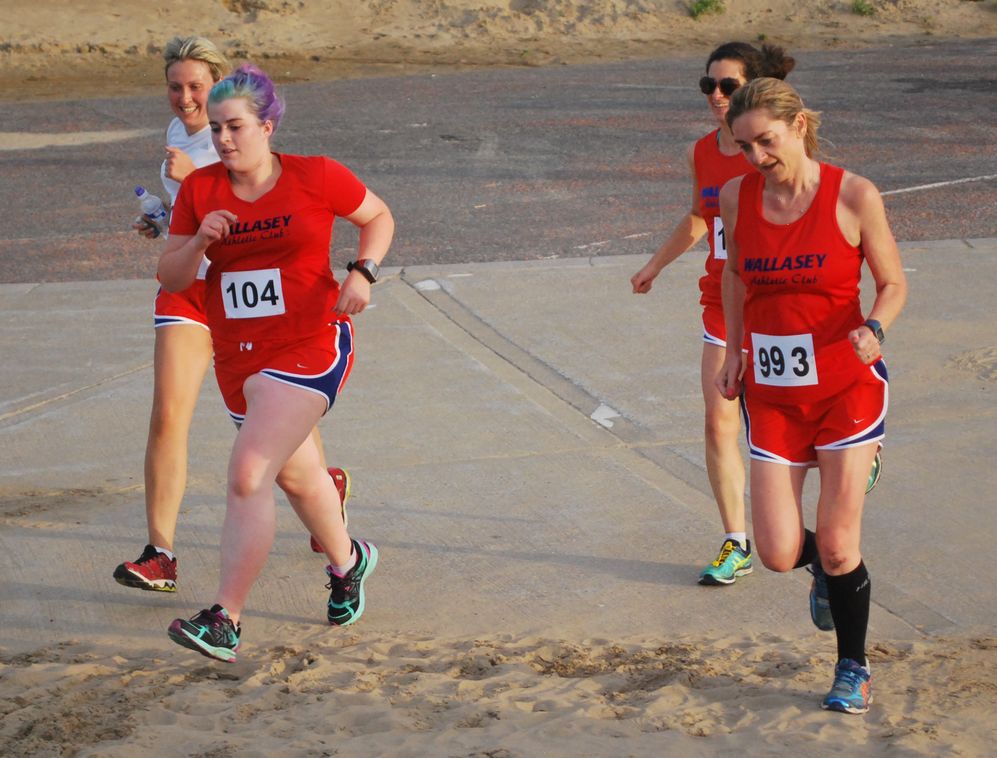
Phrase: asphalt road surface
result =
(514, 164)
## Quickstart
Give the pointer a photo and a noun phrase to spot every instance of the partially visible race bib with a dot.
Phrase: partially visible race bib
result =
(719, 240)
(252, 294)
(785, 360)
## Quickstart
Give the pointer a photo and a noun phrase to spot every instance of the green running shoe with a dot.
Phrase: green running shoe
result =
(210, 633)
(875, 473)
(732, 562)
(852, 688)
(347, 599)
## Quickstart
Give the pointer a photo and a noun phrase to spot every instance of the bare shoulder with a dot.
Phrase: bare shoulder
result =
(858, 193)
(729, 192)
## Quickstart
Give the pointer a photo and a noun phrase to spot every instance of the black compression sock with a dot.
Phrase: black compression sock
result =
(809, 554)
(849, 597)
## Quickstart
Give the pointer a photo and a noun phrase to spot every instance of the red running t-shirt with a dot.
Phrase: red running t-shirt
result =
(802, 296)
(270, 280)
(713, 170)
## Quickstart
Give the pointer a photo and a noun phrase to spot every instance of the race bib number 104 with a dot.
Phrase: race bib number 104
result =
(785, 360)
(252, 294)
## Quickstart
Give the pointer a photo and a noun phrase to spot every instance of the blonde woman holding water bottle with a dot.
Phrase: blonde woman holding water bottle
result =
(183, 342)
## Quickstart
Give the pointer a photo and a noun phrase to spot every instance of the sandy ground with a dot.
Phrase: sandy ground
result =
(105, 47)
(405, 695)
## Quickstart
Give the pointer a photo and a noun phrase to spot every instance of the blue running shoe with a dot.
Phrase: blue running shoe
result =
(852, 689)
(211, 633)
(875, 473)
(732, 562)
(346, 594)
(820, 605)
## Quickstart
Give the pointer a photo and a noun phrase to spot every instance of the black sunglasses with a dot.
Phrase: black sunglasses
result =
(727, 86)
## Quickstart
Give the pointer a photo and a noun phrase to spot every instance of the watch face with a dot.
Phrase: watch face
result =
(367, 267)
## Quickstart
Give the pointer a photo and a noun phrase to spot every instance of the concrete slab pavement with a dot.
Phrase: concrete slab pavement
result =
(526, 445)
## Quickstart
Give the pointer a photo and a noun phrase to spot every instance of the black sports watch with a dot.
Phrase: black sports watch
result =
(365, 266)
(877, 329)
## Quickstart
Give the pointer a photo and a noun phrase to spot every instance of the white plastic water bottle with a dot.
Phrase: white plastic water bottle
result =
(153, 210)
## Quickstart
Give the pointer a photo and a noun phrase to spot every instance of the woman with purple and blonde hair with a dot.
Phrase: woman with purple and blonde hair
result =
(256, 87)
(282, 336)
(193, 65)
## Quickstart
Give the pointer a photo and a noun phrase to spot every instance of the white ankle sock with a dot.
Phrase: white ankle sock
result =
(341, 571)
(740, 538)
(164, 551)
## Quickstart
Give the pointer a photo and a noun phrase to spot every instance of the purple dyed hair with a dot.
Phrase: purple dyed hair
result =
(252, 83)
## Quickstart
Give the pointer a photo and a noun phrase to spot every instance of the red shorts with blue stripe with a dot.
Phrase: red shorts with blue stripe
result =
(714, 326)
(792, 434)
(319, 364)
(184, 307)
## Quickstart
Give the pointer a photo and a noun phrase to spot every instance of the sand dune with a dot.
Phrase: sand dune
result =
(106, 46)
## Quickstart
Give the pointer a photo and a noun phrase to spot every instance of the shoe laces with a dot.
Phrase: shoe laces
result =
(151, 556)
(214, 620)
(849, 678)
(207, 618)
(343, 584)
(725, 551)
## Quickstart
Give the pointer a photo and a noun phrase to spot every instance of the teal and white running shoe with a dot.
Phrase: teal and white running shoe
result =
(820, 604)
(852, 688)
(347, 598)
(210, 633)
(732, 561)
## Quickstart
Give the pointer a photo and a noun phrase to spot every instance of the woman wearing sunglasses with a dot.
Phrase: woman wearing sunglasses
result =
(713, 160)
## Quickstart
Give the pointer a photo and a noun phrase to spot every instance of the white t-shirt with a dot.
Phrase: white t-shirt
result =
(201, 150)
(198, 146)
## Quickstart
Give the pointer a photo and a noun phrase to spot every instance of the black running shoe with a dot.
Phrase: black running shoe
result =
(346, 594)
(211, 633)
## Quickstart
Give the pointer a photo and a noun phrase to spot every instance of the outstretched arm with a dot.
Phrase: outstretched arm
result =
(732, 291)
(689, 230)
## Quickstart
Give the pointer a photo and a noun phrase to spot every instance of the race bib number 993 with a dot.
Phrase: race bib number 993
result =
(785, 360)
(252, 294)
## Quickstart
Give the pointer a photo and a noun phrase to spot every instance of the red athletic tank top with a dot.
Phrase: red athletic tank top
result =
(802, 296)
(713, 170)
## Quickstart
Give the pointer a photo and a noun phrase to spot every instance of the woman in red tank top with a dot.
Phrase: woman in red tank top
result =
(713, 160)
(815, 385)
